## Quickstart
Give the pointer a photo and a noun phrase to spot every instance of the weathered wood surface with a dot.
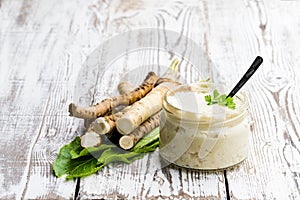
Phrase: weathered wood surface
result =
(43, 45)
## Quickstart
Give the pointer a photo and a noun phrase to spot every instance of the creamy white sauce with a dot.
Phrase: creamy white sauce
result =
(202, 136)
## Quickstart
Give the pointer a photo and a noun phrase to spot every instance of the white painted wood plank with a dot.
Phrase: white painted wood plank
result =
(20, 116)
(67, 21)
(39, 66)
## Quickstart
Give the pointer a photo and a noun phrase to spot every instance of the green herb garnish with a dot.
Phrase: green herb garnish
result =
(220, 99)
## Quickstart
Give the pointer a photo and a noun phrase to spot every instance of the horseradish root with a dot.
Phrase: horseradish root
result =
(106, 124)
(144, 108)
(150, 104)
(90, 139)
(125, 87)
(106, 105)
(128, 141)
(101, 126)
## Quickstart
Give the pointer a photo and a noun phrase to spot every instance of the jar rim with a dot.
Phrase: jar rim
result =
(201, 86)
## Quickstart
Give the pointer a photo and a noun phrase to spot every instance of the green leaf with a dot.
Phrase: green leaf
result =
(208, 99)
(216, 94)
(67, 164)
(76, 161)
(146, 141)
(149, 148)
(230, 103)
(222, 100)
(82, 167)
(61, 165)
(90, 150)
(114, 155)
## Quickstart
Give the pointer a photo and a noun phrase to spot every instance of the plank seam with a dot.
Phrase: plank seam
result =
(226, 186)
(77, 193)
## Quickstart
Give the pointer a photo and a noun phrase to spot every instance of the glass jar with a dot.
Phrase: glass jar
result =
(200, 136)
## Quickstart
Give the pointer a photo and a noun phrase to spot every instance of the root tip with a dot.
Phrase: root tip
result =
(126, 142)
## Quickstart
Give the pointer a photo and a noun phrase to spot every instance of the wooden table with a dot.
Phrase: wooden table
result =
(43, 45)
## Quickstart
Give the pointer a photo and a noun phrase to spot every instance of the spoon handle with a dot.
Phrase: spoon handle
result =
(256, 63)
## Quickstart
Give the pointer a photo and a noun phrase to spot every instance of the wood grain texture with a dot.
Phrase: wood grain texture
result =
(272, 169)
(269, 172)
(43, 49)
(38, 74)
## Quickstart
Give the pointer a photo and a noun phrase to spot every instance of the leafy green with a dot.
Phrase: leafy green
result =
(222, 100)
(148, 143)
(62, 165)
(66, 165)
(113, 155)
(208, 99)
(75, 161)
(230, 103)
(83, 167)
(89, 150)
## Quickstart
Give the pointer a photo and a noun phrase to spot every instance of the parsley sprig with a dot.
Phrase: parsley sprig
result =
(220, 99)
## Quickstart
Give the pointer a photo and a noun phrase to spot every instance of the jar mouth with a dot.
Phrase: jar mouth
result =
(203, 87)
